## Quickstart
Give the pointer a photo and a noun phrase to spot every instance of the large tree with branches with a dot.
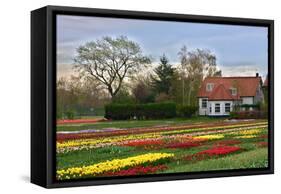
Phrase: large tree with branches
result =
(110, 61)
(195, 66)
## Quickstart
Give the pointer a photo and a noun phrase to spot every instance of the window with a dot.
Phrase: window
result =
(209, 87)
(227, 107)
(210, 109)
(204, 103)
(233, 91)
(217, 108)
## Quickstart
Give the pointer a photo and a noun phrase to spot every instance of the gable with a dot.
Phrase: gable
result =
(245, 86)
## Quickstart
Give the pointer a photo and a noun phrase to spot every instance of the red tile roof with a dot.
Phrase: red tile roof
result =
(221, 93)
(246, 86)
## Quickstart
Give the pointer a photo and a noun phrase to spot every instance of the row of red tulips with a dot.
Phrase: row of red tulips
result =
(78, 121)
(262, 144)
(213, 152)
(162, 144)
(138, 170)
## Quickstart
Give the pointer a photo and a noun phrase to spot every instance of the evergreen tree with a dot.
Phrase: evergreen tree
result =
(164, 73)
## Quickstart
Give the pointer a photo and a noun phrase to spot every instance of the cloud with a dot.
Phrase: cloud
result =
(244, 70)
(65, 70)
(236, 47)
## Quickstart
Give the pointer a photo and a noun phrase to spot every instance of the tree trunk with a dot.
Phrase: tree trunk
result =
(109, 88)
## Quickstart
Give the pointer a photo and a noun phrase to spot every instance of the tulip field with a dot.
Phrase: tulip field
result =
(89, 150)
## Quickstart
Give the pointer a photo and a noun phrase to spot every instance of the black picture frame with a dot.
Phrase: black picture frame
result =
(43, 94)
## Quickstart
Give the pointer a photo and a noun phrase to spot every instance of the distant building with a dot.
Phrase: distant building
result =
(265, 83)
(265, 90)
(218, 96)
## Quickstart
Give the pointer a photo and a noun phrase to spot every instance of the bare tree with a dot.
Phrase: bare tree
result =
(195, 66)
(110, 61)
(142, 89)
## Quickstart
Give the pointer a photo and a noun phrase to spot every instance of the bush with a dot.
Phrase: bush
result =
(156, 110)
(70, 114)
(123, 97)
(140, 111)
(253, 106)
(186, 111)
(249, 114)
(233, 115)
(119, 111)
(162, 97)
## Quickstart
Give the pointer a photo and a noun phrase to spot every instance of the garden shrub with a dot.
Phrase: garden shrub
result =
(123, 97)
(253, 106)
(255, 114)
(233, 115)
(59, 114)
(119, 111)
(140, 111)
(186, 111)
(70, 114)
(156, 110)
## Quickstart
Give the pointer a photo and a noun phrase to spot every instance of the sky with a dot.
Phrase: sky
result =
(240, 50)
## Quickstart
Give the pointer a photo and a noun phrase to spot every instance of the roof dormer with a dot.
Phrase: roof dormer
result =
(233, 91)
(209, 87)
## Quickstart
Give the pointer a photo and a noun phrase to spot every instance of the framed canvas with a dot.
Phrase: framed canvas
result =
(126, 96)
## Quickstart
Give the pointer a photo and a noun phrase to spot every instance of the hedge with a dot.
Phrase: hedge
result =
(119, 111)
(140, 111)
(248, 106)
(249, 114)
(186, 111)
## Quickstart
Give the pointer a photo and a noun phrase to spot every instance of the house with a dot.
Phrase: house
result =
(265, 83)
(218, 96)
(265, 90)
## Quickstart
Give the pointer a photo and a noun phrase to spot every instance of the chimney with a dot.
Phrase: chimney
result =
(257, 74)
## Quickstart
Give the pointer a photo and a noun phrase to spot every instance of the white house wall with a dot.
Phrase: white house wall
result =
(222, 108)
(206, 111)
(247, 100)
(202, 111)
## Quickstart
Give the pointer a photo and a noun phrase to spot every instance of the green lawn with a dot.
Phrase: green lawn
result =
(138, 123)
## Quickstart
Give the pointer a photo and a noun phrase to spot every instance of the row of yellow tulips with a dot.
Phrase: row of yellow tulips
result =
(110, 166)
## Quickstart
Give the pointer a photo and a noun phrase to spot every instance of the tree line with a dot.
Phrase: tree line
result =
(116, 70)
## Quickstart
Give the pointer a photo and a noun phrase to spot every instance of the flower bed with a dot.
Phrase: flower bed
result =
(216, 151)
(113, 166)
(79, 121)
(138, 170)
(183, 145)
(228, 142)
(248, 132)
(149, 139)
(262, 144)
(264, 136)
(161, 143)
(163, 130)
(82, 142)
(220, 150)
(144, 142)
(209, 137)
(140, 143)
(245, 137)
